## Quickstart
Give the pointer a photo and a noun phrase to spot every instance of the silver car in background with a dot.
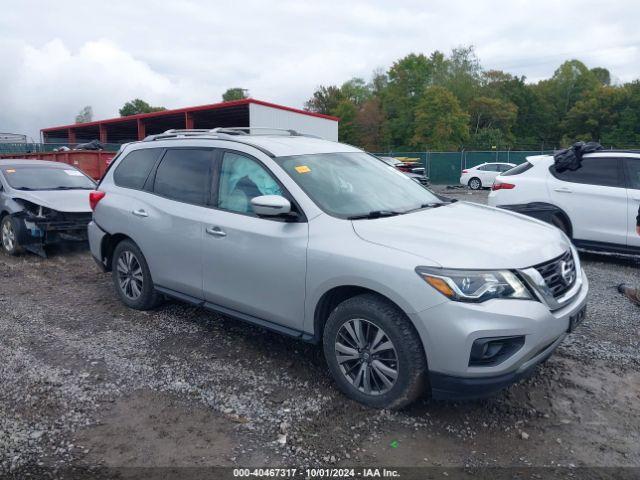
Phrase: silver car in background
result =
(321, 241)
(42, 203)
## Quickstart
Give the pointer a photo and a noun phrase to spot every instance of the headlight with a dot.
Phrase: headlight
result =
(475, 285)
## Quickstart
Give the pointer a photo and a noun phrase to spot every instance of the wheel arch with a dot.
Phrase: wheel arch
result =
(336, 295)
(109, 243)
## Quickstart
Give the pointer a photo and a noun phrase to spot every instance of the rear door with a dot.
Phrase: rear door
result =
(253, 265)
(633, 200)
(595, 198)
(174, 219)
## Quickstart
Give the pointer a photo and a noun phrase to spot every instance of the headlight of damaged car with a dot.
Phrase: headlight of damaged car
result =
(475, 285)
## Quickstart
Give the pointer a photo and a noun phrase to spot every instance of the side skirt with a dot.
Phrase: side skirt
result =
(291, 332)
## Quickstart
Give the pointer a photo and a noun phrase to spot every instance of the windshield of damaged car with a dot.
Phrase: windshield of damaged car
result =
(47, 178)
(356, 185)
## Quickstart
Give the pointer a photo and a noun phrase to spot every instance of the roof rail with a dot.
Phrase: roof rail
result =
(224, 132)
(247, 131)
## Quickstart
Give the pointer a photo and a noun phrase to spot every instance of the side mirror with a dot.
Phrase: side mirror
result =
(270, 205)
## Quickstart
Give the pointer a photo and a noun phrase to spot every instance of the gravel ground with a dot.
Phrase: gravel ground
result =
(86, 382)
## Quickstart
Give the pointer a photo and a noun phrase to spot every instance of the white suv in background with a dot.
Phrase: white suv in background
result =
(483, 175)
(595, 205)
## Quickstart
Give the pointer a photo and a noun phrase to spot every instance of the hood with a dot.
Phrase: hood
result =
(466, 235)
(60, 200)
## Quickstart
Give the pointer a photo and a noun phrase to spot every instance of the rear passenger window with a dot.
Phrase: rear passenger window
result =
(523, 167)
(593, 171)
(185, 175)
(134, 169)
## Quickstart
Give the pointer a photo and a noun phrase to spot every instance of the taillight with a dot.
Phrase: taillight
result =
(95, 197)
(502, 186)
(465, 171)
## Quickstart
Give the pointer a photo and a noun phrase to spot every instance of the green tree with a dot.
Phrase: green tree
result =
(325, 100)
(602, 75)
(596, 114)
(371, 126)
(137, 106)
(235, 93)
(407, 80)
(347, 128)
(440, 122)
(85, 115)
(569, 83)
(492, 113)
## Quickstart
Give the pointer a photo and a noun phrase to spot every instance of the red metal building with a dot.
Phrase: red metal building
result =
(240, 113)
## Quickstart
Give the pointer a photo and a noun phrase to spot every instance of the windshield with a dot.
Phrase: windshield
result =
(46, 178)
(349, 185)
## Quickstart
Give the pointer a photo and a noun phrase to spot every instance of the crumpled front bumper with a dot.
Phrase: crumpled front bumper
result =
(36, 232)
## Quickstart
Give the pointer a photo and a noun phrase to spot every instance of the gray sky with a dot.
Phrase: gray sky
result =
(58, 57)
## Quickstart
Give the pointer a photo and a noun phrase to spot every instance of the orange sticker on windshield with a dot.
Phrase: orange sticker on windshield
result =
(303, 169)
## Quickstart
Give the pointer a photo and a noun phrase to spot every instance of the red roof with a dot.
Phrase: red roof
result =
(213, 106)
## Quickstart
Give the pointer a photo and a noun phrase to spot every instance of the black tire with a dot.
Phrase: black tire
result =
(9, 227)
(475, 183)
(559, 222)
(147, 297)
(411, 366)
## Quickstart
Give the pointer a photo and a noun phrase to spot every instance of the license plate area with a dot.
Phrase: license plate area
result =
(576, 319)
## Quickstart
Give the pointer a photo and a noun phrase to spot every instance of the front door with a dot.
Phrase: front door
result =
(253, 265)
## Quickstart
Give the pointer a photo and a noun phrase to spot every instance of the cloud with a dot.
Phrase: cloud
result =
(177, 54)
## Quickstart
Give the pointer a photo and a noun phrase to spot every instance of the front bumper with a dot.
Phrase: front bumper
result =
(35, 232)
(449, 330)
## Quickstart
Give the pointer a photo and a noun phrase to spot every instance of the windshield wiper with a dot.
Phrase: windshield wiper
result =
(425, 205)
(375, 214)
(62, 187)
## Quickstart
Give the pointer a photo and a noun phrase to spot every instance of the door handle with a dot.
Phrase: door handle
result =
(140, 213)
(216, 231)
(563, 190)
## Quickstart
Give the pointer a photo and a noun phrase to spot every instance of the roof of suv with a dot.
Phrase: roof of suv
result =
(275, 145)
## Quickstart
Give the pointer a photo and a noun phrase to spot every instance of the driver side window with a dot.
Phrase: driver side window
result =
(241, 179)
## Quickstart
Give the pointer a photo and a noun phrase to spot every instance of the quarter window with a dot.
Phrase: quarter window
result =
(134, 169)
(184, 175)
(633, 172)
(242, 179)
(593, 171)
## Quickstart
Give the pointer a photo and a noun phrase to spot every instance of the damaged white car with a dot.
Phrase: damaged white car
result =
(42, 203)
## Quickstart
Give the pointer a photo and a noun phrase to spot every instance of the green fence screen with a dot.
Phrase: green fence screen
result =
(445, 167)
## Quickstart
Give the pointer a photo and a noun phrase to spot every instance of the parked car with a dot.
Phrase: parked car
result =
(416, 174)
(483, 175)
(595, 205)
(321, 241)
(42, 203)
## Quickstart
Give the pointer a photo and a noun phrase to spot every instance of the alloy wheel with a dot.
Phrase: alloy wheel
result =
(130, 275)
(366, 356)
(475, 184)
(8, 236)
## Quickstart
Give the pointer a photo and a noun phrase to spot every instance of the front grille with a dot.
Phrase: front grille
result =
(559, 274)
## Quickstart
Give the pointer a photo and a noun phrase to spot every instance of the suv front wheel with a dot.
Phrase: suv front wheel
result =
(374, 354)
(131, 277)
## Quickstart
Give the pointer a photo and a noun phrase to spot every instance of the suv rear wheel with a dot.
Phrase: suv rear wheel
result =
(374, 354)
(131, 277)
